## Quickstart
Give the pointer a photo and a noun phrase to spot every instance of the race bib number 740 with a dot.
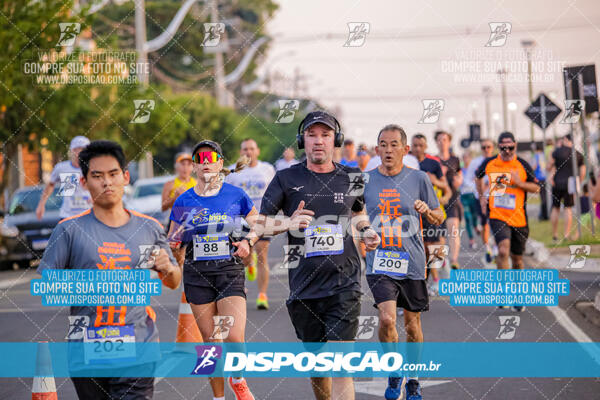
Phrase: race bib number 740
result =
(323, 240)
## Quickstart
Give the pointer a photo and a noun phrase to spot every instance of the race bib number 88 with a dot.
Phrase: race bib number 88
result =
(208, 247)
(323, 240)
(390, 262)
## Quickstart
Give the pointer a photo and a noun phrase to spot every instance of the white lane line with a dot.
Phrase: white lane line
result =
(8, 283)
(580, 336)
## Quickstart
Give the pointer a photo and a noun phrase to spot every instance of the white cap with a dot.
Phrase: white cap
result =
(79, 141)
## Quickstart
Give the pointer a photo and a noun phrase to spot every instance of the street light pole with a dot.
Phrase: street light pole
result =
(488, 121)
(528, 45)
(140, 41)
(502, 74)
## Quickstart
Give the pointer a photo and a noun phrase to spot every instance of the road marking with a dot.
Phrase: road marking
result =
(563, 319)
(8, 283)
(377, 386)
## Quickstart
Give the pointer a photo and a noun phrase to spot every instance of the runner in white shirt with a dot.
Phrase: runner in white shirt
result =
(287, 160)
(255, 179)
(66, 174)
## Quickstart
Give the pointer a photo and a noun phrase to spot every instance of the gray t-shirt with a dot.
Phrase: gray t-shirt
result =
(75, 199)
(390, 206)
(83, 242)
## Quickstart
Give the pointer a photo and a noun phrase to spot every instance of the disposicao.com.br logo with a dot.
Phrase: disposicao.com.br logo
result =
(295, 364)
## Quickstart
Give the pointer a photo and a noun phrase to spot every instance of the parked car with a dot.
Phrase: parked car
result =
(147, 198)
(22, 236)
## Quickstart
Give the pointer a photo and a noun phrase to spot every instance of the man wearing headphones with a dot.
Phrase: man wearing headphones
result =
(321, 201)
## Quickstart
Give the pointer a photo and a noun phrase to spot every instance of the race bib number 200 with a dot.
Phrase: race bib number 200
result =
(323, 240)
(390, 262)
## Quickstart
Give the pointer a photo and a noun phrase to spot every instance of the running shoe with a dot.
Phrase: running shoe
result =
(488, 255)
(394, 388)
(241, 390)
(518, 308)
(251, 269)
(454, 266)
(262, 302)
(413, 390)
(503, 307)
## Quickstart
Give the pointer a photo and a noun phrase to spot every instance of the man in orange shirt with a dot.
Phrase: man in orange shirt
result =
(510, 179)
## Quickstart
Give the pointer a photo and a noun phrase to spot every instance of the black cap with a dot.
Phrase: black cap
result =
(321, 117)
(506, 135)
(208, 143)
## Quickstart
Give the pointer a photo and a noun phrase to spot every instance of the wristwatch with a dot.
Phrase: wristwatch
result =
(249, 242)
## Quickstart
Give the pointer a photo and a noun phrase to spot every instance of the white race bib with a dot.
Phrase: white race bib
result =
(323, 240)
(108, 343)
(507, 201)
(390, 262)
(210, 247)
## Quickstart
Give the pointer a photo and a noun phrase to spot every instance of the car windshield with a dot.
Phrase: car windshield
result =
(27, 200)
(149, 189)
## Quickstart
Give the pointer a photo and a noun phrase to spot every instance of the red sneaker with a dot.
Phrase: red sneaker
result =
(241, 390)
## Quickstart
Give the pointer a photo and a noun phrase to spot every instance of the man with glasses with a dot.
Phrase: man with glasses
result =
(510, 179)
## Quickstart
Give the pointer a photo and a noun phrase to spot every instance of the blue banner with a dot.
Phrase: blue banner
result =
(304, 359)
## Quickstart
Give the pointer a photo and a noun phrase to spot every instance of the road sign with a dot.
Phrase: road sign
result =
(586, 76)
(543, 111)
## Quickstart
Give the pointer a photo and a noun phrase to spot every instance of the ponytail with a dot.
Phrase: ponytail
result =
(240, 164)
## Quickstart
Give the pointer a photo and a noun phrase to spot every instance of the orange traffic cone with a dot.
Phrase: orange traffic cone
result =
(187, 330)
(44, 387)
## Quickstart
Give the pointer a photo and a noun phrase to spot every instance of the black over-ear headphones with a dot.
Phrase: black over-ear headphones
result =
(338, 139)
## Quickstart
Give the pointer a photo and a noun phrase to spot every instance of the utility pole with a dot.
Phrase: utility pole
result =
(528, 45)
(488, 120)
(220, 89)
(502, 74)
(140, 41)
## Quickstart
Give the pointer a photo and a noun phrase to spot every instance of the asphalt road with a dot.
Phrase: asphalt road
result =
(24, 319)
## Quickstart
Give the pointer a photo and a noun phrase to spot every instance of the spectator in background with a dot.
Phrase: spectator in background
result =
(349, 154)
(563, 185)
(363, 157)
(67, 174)
(182, 182)
(287, 160)
(539, 169)
(468, 199)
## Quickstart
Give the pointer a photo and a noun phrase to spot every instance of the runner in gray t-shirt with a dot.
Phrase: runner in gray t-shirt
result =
(110, 237)
(397, 197)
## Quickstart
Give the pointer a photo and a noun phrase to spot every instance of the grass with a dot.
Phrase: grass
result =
(542, 231)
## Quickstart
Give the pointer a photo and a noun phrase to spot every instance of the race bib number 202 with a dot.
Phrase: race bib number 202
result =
(109, 344)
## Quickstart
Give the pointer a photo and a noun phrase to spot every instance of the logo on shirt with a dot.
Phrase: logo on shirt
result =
(68, 184)
(432, 109)
(287, 111)
(499, 32)
(357, 33)
(292, 256)
(338, 197)
(207, 359)
(297, 188)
